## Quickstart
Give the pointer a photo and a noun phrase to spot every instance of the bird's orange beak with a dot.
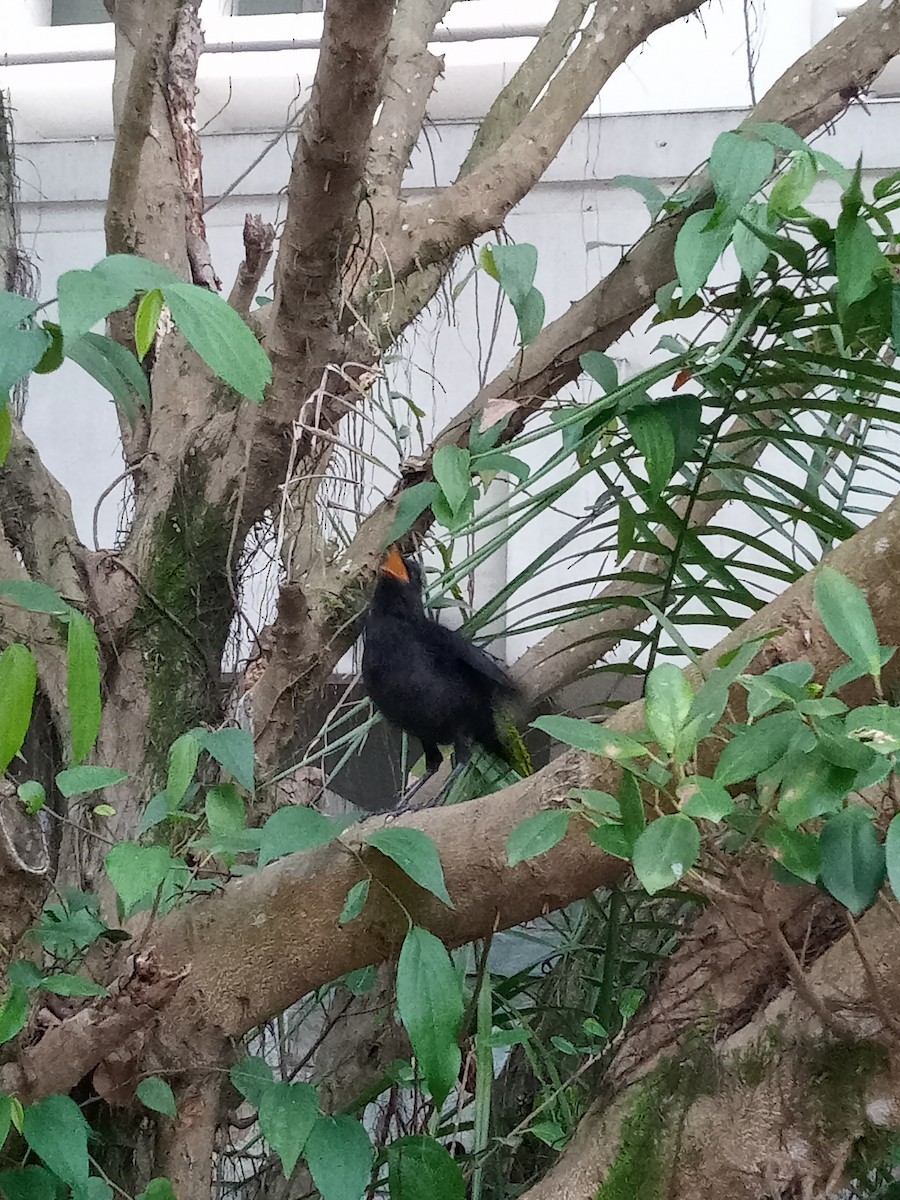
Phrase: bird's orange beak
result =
(392, 564)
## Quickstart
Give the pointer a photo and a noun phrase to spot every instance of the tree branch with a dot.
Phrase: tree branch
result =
(259, 240)
(297, 900)
(69, 1050)
(308, 320)
(481, 199)
(410, 73)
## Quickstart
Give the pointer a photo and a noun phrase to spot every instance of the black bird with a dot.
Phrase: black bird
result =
(430, 681)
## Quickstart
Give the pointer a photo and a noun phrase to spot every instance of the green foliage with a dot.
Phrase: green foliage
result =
(430, 1006)
(57, 1132)
(416, 855)
(18, 679)
(536, 835)
(83, 686)
(287, 1114)
(339, 1155)
(514, 268)
(292, 829)
(419, 1168)
(156, 1094)
(137, 871)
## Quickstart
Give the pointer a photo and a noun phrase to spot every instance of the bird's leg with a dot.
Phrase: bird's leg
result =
(462, 752)
(434, 760)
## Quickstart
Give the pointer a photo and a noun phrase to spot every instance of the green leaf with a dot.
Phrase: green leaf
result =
(339, 1155)
(420, 1168)
(86, 298)
(430, 1005)
(103, 810)
(20, 352)
(653, 437)
(32, 795)
(410, 506)
(361, 981)
(892, 854)
(290, 830)
(35, 597)
(530, 316)
(846, 615)
(781, 136)
(667, 705)
(29, 1183)
(137, 871)
(14, 309)
(225, 810)
(749, 250)
(796, 851)
(704, 798)
(584, 735)
(536, 835)
(601, 368)
(5, 1119)
(98, 1189)
(287, 1114)
(54, 355)
(895, 320)
(115, 368)
(18, 680)
(233, 750)
(63, 984)
(654, 198)
(78, 781)
(355, 902)
(793, 187)
(146, 321)
(877, 727)
(853, 862)
(156, 1094)
(858, 257)
(14, 1013)
(739, 166)
(416, 855)
(225, 343)
(666, 851)
(252, 1077)
(452, 468)
(158, 1189)
(755, 748)
(23, 973)
(57, 1133)
(516, 266)
(83, 663)
(697, 250)
(184, 753)
(811, 786)
(133, 271)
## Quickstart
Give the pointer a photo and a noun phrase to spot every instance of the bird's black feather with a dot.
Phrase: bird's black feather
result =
(430, 681)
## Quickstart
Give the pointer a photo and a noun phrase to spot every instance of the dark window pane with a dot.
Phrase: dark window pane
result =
(78, 12)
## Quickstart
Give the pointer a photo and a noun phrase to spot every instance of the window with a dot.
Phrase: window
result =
(78, 12)
(257, 8)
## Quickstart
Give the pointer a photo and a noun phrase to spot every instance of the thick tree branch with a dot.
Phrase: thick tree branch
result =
(69, 1050)
(309, 320)
(37, 517)
(296, 902)
(410, 73)
(518, 96)
(436, 230)
(778, 1106)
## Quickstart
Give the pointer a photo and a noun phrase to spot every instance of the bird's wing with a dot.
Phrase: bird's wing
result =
(452, 642)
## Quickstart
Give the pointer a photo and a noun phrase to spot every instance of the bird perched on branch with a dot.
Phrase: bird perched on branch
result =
(430, 681)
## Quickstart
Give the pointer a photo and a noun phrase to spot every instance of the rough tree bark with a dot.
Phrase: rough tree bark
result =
(164, 602)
